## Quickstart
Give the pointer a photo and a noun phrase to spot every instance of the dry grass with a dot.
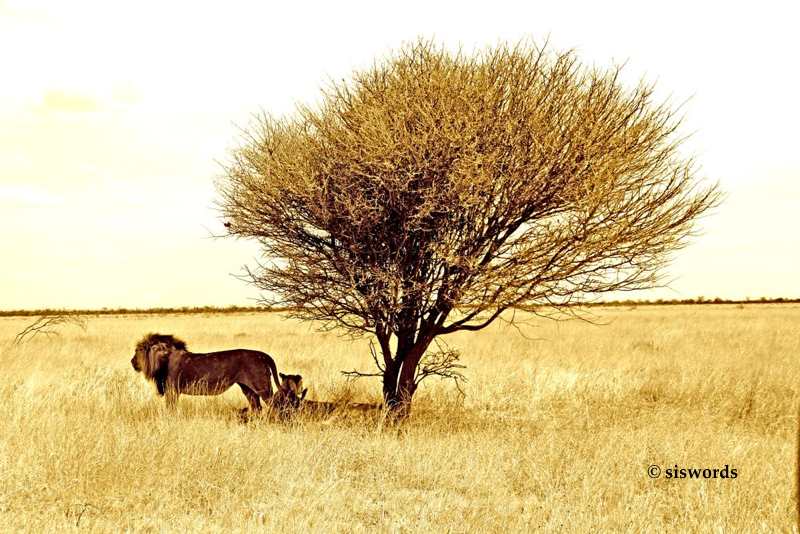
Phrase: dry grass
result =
(555, 433)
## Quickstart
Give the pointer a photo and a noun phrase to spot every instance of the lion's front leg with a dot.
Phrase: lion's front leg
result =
(171, 395)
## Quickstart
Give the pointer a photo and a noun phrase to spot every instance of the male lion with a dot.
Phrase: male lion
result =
(165, 360)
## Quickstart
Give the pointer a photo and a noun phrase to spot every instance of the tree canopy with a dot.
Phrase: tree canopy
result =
(436, 189)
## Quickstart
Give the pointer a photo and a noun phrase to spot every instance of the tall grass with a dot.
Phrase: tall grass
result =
(558, 427)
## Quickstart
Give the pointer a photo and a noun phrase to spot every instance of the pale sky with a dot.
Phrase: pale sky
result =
(112, 116)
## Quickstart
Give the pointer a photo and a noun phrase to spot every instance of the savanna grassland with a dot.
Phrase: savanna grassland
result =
(558, 427)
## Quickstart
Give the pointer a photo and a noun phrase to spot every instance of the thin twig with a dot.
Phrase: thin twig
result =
(47, 324)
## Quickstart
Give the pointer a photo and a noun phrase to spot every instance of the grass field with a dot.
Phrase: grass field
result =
(556, 432)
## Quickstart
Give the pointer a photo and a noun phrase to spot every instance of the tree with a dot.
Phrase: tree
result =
(436, 190)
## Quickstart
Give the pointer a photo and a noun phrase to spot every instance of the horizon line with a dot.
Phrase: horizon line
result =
(234, 308)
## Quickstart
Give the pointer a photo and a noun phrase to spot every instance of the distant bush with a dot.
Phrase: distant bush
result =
(264, 309)
(140, 311)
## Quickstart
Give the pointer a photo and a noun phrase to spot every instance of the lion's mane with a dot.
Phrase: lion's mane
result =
(155, 368)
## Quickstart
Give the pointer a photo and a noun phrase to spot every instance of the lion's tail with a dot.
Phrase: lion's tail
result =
(274, 371)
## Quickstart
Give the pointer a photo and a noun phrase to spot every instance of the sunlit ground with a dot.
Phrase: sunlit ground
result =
(558, 427)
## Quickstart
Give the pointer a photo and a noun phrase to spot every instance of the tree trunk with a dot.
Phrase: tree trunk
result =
(398, 381)
(390, 375)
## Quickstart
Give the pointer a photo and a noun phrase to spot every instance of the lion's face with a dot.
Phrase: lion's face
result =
(292, 384)
(152, 354)
(138, 360)
(292, 388)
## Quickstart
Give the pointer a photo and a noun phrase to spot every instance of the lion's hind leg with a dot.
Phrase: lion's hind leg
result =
(263, 388)
(252, 397)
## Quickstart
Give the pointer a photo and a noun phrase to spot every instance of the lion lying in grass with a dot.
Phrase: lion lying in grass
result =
(321, 408)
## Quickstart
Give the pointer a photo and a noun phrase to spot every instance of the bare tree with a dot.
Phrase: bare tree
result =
(436, 190)
(48, 325)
